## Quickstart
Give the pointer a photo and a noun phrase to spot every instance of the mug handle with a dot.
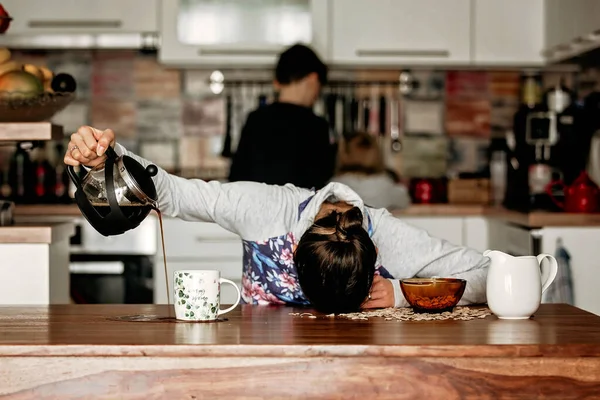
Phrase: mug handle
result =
(239, 296)
(549, 271)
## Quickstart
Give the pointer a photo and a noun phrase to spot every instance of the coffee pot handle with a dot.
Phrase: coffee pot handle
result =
(549, 270)
(111, 153)
(74, 177)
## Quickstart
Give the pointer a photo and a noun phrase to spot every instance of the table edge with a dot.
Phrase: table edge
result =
(306, 351)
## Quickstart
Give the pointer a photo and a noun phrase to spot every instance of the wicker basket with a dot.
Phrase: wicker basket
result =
(16, 107)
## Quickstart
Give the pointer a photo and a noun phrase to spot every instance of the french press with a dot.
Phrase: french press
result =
(116, 196)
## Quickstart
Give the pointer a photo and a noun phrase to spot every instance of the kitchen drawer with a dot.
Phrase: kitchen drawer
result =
(199, 240)
(230, 269)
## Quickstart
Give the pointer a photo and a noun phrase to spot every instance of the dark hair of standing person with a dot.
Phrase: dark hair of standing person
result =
(335, 260)
(296, 63)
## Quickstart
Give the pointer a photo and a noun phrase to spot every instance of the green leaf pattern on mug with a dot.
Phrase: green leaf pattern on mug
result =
(197, 306)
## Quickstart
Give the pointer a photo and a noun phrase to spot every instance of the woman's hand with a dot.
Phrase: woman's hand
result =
(88, 145)
(381, 295)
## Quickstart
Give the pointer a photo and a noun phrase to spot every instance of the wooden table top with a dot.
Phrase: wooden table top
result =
(92, 330)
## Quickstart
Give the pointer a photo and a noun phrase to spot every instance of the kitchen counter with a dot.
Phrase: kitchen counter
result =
(535, 219)
(35, 263)
(83, 351)
(530, 220)
(36, 233)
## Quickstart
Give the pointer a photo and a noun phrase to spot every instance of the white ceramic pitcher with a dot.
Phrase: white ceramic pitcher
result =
(515, 284)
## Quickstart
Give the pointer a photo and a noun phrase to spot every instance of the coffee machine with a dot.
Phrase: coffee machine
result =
(544, 129)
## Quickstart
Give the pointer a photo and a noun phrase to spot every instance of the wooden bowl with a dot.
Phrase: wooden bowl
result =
(15, 107)
(433, 295)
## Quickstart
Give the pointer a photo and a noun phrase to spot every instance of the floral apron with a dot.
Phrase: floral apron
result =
(269, 274)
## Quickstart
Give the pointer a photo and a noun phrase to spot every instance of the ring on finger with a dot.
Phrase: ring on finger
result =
(73, 149)
(369, 297)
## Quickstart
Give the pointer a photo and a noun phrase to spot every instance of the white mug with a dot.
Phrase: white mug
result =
(197, 295)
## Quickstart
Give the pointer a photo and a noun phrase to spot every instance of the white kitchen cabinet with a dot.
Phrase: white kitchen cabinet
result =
(567, 24)
(508, 32)
(198, 246)
(35, 269)
(239, 32)
(399, 32)
(476, 233)
(448, 228)
(82, 16)
(581, 243)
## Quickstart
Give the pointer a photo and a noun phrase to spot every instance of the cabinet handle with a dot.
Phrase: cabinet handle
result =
(56, 23)
(238, 52)
(402, 53)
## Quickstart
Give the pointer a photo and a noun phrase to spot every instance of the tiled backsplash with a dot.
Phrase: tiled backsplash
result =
(172, 116)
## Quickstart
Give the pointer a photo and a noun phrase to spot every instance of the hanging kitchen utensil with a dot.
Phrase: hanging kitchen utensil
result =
(394, 125)
(116, 196)
(339, 116)
(382, 115)
(354, 112)
(366, 114)
(374, 110)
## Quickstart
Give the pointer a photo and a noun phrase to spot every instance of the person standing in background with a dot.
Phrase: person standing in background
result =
(362, 169)
(285, 142)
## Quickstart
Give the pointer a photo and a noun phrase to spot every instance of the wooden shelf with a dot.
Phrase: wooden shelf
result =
(25, 131)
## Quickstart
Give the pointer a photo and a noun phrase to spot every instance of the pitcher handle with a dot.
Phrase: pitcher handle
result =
(549, 270)
(239, 296)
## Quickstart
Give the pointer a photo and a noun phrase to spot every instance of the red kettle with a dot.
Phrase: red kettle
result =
(583, 196)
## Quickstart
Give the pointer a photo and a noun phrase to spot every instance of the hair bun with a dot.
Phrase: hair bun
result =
(348, 222)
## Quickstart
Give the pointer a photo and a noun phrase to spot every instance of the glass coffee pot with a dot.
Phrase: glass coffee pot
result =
(116, 196)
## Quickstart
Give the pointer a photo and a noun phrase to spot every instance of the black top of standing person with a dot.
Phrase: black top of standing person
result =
(285, 142)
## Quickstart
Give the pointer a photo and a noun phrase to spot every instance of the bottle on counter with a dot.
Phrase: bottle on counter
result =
(44, 175)
(21, 175)
(62, 181)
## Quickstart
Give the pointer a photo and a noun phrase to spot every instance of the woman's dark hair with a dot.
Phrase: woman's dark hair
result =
(335, 260)
(297, 62)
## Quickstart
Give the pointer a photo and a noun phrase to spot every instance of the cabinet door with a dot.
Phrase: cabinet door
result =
(390, 32)
(82, 16)
(581, 243)
(448, 228)
(231, 270)
(561, 22)
(239, 32)
(196, 240)
(476, 233)
(508, 32)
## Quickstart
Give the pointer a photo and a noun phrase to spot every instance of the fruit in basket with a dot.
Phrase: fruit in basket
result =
(22, 83)
(9, 66)
(47, 78)
(4, 55)
(35, 71)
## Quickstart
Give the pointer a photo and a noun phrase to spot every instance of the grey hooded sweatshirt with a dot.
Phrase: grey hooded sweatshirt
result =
(256, 211)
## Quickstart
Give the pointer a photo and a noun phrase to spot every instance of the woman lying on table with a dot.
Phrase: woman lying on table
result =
(323, 248)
